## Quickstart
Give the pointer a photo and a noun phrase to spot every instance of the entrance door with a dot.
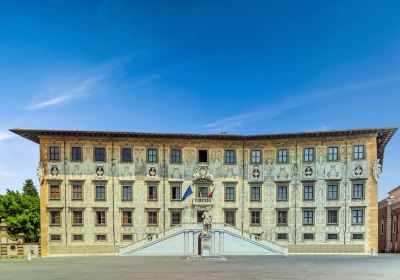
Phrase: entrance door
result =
(200, 216)
(199, 245)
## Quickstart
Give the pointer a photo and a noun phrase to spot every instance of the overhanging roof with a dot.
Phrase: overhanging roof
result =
(383, 135)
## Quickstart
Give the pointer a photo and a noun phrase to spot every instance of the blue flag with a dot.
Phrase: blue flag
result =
(187, 193)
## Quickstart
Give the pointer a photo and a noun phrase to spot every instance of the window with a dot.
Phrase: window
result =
(358, 236)
(76, 154)
(229, 193)
(358, 191)
(308, 192)
(308, 217)
(255, 217)
(152, 218)
(55, 192)
(357, 216)
(99, 154)
(126, 218)
(308, 236)
(152, 155)
(230, 156)
(153, 192)
(332, 236)
(333, 192)
(127, 193)
(282, 217)
(308, 154)
(101, 237)
(394, 226)
(175, 218)
(176, 156)
(332, 217)
(333, 153)
(127, 237)
(281, 236)
(100, 192)
(54, 152)
(282, 156)
(382, 228)
(282, 193)
(202, 191)
(77, 217)
(126, 154)
(77, 237)
(77, 192)
(255, 193)
(203, 156)
(55, 218)
(358, 152)
(256, 156)
(55, 237)
(230, 217)
(176, 192)
(100, 217)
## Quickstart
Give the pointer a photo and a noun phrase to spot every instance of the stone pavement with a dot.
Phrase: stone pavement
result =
(163, 268)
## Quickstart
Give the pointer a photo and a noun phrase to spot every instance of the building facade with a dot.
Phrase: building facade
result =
(313, 192)
(389, 230)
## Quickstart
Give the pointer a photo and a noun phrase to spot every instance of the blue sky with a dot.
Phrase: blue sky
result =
(196, 66)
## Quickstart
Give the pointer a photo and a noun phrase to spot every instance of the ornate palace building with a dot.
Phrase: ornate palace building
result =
(122, 192)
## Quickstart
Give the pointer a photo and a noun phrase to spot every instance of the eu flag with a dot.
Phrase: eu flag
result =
(187, 193)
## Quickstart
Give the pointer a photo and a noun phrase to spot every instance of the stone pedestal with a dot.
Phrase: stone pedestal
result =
(205, 245)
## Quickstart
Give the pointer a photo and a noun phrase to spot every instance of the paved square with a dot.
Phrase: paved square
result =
(263, 267)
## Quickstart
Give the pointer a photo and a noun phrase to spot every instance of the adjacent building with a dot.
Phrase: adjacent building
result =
(389, 230)
(312, 192)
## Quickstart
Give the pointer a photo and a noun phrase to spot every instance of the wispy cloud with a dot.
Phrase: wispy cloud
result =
(76, 91)
(5, 135)
(142, 80)
(286, 104)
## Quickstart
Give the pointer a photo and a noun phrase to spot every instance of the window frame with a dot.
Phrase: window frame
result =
(312, 211)
(96, 198)
(178, 186)
(174, 157)
(148, 217)
(226, 211)
(123, 198)
(73, 186)
(50, 153)
(254, 186)
(286, 192)
(50, 191)
(356, 154)
(231, 158)
(353, 185)
(307, 187)
(148, 156)
(329, 153)
(307, 155)
(252, 157)
(96, 217)
(100, 240)
(308, 239)
(286, 156)
(80, 154)
(123, 160)
(252, 211)
(74, 223)
(123, 212)
(357, 209)
(198, 155)
(95, 154)
(282, 210)
(59, 218)
(176, 211)
(148, 192)
(328, 192)
(329, 210)
(226, 187)
(77, 240)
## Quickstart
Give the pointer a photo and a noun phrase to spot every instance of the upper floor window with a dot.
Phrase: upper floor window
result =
(100, 217)
(230, 156)
(255, 216)
(152, 192)
(152, 218)
(282, 156)
(308, 192)
(100, 192)
(55, 192)
(308, 217)
(333, 153)
(126, 154)
(176, 217)
(152, 155)
(99, 154)
(176, 156)
(55, 218)
(126, 218)
(359, 152)
(77, 192)
(256, 156)
(127, 193)
(357, 216)
(77, 217)
(282, 194)
(332, 216)
(255, 193)
(176, 192)
(203, 156)
(333, 192)
(230, 217)
(54, 152)
(230, 193)
(308, 154)
(282, 217)
(76, 154)
(358, 191)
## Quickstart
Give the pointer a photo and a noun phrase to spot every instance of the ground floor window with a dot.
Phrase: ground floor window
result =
(127, 237)
(308, 236)
(55, 237)
(101, 237)
(152, 218)
(77, 237)
(176, 218)
(281, 236)
(255, 216)
(230, 217)
(358, 236)
(332, 236)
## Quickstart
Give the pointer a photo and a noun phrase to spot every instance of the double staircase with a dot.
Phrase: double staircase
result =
(183, 240)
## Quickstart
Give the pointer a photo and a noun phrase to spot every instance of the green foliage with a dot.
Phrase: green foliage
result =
(29, 188)
(21, 212)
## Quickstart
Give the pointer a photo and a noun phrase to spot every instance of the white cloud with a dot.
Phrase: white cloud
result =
(286, 104)
(6, 135)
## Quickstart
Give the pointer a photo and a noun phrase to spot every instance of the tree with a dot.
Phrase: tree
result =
(21, 212)
(29, 188)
